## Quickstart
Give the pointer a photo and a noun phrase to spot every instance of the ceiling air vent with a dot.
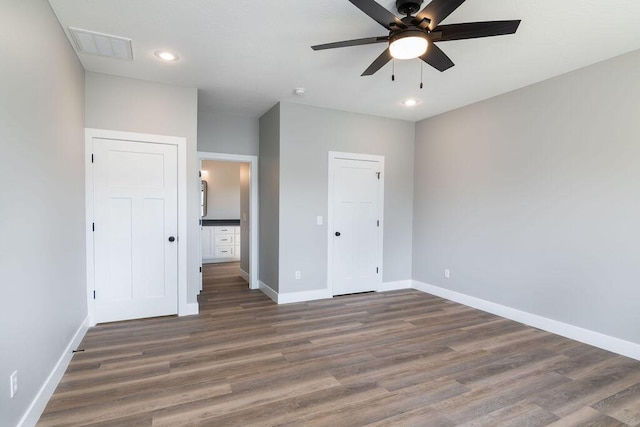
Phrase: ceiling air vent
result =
(102, 44)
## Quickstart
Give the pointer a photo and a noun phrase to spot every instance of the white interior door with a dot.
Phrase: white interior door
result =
(356, 228)
(135, 236)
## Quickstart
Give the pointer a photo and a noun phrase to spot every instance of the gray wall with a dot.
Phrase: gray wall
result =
(42, 261)
(532, 200)
(223, 189)
(269, 197)
(307, 135)
(123, 104)
(226, 133)
(245, 215)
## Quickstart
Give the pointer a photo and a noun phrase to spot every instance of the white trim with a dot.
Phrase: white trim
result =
(616, 345)
(39, 402)
(183, 308)
(219, 261)
(191, 309)
(330, 172)
(88, 196)
(244, 275)
(201, 261)
(396, 286)
(253, 226)
(291, 297)
(268, 291)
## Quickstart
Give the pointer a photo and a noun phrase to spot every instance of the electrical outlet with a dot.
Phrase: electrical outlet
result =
(447, 273)
(298, 275)
(319, 220)
(13, 380)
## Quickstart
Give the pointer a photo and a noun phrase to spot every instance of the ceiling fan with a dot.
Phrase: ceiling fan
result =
(415, 36)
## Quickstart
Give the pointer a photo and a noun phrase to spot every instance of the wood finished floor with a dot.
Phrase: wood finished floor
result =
(400, 358)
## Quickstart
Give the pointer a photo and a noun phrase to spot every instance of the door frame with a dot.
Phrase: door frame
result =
(253, 208)
(183, 308)
(334, 155)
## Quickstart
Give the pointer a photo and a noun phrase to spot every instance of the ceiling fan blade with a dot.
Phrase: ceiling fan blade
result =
(378, 63)
(435, 57)
(355, 42)
(473, 30)
(378, 13)
(435, 12)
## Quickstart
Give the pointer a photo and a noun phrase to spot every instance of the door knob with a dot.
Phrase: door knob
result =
(172, 239)
(337, 233)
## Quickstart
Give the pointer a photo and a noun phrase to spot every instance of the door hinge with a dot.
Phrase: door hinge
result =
(200, 269)
(199, 174)
(378, 175)
(378, 223)
(92, 158)
(93, 226)
(94, 294)
(376, 270)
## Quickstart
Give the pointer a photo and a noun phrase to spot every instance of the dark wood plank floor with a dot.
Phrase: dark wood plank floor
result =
(400, 358)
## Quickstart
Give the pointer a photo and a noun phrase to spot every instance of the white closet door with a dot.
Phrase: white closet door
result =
(136, 211)
(356, 191)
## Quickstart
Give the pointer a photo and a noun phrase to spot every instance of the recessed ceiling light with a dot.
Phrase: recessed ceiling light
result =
(299, 91)
(410, 102)
(165, 55)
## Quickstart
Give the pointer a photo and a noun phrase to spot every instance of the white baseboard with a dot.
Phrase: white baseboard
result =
(219, 260)
(190, 309)
(31, 417)
(596, 339)
(268, 291)
(244, 275)
(291, 297)
(396, 286)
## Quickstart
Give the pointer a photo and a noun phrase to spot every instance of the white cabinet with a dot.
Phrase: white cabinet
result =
(224, 239)
(220, 243)
(236, 242)
(207, 243)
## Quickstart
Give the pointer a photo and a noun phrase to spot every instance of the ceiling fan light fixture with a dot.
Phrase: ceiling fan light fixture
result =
(408, 45)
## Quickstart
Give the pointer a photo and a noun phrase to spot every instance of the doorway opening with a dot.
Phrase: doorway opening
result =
(229, 212)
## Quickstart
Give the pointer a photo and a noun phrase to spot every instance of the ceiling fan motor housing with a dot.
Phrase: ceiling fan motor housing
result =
(408, 7)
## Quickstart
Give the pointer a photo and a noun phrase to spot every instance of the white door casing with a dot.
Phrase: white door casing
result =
(136, 197)
(253, 208)
(355, 213)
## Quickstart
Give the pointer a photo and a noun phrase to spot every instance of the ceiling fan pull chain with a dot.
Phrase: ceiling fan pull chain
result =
(393, 70)
(420, 74)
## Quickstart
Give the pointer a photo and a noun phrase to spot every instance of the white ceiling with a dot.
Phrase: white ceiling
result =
(245, 55)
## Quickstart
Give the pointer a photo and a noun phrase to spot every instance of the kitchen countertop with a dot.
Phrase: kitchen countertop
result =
(222, 222)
